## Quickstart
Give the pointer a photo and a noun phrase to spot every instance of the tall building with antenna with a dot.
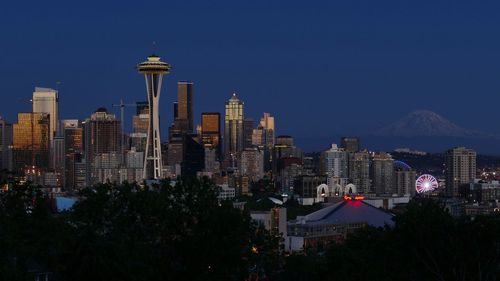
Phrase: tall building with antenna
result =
(233, 128)
(153, 70)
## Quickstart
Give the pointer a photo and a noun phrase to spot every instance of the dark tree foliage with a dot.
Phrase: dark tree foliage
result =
(305, 267)
(30, 236)
(131, 233)
(439, 247)
(164, 233)
(183, 232)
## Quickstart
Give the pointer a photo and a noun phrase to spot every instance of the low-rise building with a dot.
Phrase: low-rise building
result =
(311, 189)
(226, 192)
(333, 224)
(275, 221)
(480, 191)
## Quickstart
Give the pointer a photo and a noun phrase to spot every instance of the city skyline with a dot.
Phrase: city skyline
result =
(293, 140)
(337, 53)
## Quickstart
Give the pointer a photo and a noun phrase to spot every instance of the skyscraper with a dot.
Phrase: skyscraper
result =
(252, 163)
(140, 121)
(57, 155)
(285, 154)
(210, 130)
(263, 137)
(5, 145)
(233, 128)
(247, 132)
(141, 107)
(212, 164)
(404, 179)
(73, 149)
(153, 70)
(46, 100)
(334, 166)
(350, 144)
(267, 123)
(102, 146)
(193, 159)
(175, 153)
(258, 137)
(285, 148)
(460, 169)
(31, 141)
(383, 173)
(185, 106)
(359, 171)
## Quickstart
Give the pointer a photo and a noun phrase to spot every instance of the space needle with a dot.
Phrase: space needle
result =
(153, 70)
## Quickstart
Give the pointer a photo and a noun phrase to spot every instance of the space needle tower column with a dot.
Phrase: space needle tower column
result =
(153, 70)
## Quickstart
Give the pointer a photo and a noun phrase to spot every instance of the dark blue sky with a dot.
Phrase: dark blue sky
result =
(320, 67)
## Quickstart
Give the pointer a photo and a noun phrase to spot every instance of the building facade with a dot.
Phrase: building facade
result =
(334, 164)
(404, 179)
(184, 118)
(211, 131)
(252, 163)
(460, 168)
(5, 145)
(73, 149)
(248, 124)
(383, 173)
(233, 128)
(350, 144)
(46, 100)
(31, 141)
(102, 146)
(359, 171)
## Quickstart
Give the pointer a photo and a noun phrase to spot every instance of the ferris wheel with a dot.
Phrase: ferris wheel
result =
(426, 183)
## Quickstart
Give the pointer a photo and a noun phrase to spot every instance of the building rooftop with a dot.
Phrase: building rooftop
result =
(42, 89)
(234, 97)
(153, 65)
(348, 212)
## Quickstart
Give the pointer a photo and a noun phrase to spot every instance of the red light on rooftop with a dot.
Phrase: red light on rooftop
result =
(356, 198)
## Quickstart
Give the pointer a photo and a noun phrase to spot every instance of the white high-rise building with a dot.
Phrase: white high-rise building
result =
(46, 100)
(335, 166)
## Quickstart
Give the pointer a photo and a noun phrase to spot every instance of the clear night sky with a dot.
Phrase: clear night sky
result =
(345, 66)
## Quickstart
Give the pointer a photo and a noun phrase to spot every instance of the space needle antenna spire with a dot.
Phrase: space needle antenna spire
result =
(153, 70)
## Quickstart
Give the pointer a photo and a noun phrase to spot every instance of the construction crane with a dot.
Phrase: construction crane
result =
(122, 106)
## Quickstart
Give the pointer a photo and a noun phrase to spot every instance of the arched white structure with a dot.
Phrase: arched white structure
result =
(322, 191)
(350, 189)
(337, 190)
